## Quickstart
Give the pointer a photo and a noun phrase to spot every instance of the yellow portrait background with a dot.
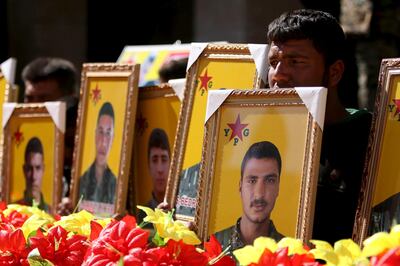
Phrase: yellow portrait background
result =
(44, 129)
(283, 126)
(115, 91)
(231, 74)
(3, 84)
(388, 172)
(158, 112)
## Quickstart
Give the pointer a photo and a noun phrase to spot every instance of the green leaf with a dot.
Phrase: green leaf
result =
(32, 234)
(121, 261)
(35, 203)
(158, 240)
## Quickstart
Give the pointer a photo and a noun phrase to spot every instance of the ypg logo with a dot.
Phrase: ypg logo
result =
(237, 130)
(18, 137)
(141, 124)
(95, 95)
(205, 83)
(395, 109)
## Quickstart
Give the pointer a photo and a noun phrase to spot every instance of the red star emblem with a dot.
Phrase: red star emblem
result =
(237, 129)
(141, 124)
(397, 103)
(18, 137)
(96, 94)
(204, 81)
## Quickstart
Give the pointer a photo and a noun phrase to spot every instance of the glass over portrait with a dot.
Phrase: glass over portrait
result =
(33, 149)
(260, 153)
(378, 208)
(105, 133)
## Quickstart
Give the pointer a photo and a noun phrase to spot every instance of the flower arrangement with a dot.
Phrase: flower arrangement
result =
(29, 236)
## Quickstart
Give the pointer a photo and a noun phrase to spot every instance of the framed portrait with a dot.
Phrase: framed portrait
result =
(33, 150)
(105, 131)
(156, 122)
(379, 206)
(290, 121)
(210, 67)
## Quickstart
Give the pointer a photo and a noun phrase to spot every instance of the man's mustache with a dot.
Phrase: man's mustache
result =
(258, 202)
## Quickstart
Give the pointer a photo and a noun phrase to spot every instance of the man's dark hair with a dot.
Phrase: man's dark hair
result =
(47, 68)
(34, 146)
(173, 69)
(318, 26)
(106, 109)
(158, 139)
(260, 150)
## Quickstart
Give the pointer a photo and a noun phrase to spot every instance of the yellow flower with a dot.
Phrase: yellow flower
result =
(251, 254)
(344, 253)
(79, 223)
(155, 216)
(379, 243)
(179, 231)
(347, 251)
(295, 246)
(34, 222)
(167, 228)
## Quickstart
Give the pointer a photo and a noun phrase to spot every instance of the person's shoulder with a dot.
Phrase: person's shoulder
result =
(388, 203)
(111, 177)
(224, 236)
(358, 123)
(274, 234)
(86, 174)
(358, 115)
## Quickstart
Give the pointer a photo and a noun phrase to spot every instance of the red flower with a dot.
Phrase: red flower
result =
(118, 240)
(213, 250)
(3, 205)
(58, 248)
(15, 218)
(281, 258)
(95, 229)
(181, 254)
(388, 258)
(13, 250)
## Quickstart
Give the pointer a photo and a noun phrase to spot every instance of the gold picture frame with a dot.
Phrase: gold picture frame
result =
(218, 66)
(33, 130)
(10, 95)
(8, 89)
(156, 121)
(107, 109)
(378, 201)
(278, 116)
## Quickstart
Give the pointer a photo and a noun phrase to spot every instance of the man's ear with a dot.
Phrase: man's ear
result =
(240, 186)
(335, 73)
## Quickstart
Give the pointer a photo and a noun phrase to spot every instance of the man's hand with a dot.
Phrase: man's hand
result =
(65, 207)
(164, 206)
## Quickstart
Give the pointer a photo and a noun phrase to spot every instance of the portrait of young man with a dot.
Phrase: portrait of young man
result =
(158, 156)
(98, 183)
(33, 169)
(259, 188)
(307, 49)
